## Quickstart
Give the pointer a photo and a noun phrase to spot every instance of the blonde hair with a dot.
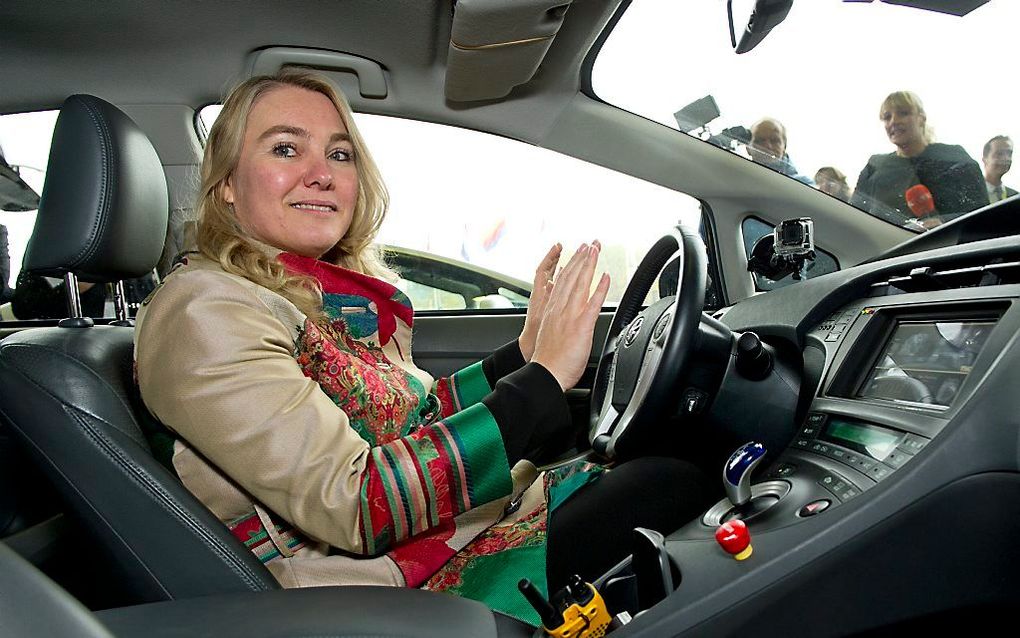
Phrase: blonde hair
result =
(909, 100)
(220, 235)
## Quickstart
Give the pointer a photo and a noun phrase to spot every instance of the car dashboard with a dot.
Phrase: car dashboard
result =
(895, 497)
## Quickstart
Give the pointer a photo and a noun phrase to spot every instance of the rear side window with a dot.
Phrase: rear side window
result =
(25, 146)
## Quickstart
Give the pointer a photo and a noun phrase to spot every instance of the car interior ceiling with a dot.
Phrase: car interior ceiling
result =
(98, 539)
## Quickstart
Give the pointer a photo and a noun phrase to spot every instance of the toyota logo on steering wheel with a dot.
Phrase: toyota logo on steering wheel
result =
(632, 331)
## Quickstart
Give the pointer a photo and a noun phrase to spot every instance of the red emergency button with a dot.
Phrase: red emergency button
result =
(734, 538)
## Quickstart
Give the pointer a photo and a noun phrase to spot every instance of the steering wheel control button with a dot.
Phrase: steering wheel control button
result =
(735, 539)
(802, 443)
(814, 507)
(660, 327)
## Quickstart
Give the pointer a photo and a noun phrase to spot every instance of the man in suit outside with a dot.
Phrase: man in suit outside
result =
(997, 158)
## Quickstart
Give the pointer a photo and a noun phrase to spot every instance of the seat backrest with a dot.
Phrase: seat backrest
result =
(69, 392)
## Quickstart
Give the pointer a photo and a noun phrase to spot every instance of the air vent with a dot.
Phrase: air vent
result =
(927, 278)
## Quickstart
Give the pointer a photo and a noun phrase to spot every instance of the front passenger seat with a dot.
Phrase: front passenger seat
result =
(68, 391)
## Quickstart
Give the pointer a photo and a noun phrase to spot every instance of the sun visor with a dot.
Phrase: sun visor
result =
(496, 45)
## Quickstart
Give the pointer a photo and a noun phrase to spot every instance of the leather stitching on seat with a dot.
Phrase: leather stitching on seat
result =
(108, 159)
(85, 500)
(163, 498)
(82, 368)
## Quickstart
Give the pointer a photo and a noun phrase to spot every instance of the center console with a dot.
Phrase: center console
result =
(891, 496)
(897, 371)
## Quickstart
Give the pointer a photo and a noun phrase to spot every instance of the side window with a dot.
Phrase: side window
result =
(753, 229)
(472, 214)
(24, 151)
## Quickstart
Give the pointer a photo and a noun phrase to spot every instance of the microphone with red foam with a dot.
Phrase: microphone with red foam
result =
(920, 201)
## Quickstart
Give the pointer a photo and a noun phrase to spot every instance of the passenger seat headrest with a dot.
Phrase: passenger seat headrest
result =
(104, 207)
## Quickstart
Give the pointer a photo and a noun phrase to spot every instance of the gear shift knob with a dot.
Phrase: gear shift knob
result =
(737, 472)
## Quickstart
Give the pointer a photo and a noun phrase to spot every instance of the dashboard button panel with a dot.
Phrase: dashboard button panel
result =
(912, 443)
(814, 437)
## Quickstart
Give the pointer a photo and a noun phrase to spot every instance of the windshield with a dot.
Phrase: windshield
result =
(903, 113)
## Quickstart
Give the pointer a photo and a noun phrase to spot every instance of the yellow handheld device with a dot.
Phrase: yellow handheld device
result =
(582, 613)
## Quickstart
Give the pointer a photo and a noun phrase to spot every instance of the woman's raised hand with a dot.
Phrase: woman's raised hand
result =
(539, 298)
(564, 339)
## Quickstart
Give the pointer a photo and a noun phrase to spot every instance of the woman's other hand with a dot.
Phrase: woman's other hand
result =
(539, 298)
(568, 323)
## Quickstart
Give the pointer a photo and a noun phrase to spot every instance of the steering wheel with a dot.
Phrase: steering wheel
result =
(646, 350)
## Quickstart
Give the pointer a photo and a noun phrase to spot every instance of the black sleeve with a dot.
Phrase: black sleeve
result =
(971, 187)
(35, 298)
(956, 183)
(502, 362)
(862, 192)
(529, 407)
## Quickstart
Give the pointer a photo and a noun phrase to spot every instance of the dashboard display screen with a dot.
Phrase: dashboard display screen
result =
(926, 361)
(874, 441)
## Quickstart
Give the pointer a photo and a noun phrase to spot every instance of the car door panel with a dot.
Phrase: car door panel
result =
(444, 344)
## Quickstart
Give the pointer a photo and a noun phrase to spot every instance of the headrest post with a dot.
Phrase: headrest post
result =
(120, 305)
(73, 298)
(76, 320)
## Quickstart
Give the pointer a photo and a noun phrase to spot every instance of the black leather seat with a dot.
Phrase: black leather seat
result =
(68, 391)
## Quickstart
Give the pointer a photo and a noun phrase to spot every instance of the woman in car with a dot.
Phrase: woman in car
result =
(949, 182)
(279, 356)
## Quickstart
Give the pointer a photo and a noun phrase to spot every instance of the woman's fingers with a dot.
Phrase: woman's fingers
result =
(564, 342)
(598, 299)
(582, 288)
(572, 289)
(540, 292)
(546, 268)
(560, 288)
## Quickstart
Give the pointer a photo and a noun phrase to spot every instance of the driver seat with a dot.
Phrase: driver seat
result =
(69, 392)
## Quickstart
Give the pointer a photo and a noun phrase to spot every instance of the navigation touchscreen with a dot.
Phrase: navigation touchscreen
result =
(926, 361)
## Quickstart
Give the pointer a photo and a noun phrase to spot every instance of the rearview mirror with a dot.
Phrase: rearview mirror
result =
(760, 16)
